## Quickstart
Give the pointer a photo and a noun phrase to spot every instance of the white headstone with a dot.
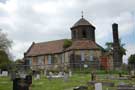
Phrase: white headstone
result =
(98, 86)
(22, 75)
(50, 73)
(60, 74)
(66, 77)
(37, 77)
(85, 66)
(4, 73)
(132, 72)
(70, 73)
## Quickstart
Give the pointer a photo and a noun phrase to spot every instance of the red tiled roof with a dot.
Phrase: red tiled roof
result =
(46, 48)
(84, 44)
(56, 46)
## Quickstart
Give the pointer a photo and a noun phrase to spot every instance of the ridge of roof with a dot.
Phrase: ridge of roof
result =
(50, 41)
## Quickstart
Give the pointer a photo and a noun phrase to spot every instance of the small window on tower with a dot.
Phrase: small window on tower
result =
(84, 34)
(74, 34)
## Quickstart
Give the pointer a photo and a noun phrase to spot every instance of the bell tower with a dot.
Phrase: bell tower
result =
(83, 30)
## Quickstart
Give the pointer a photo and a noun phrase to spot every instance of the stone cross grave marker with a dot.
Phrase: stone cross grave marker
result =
(98, 86)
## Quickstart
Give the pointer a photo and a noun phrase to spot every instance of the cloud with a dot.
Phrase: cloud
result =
(3, 1)
(26, 21)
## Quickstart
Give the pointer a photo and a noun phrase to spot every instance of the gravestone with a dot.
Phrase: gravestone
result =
(81, 88)
(109, 76)
(29, 79)
(108, 84)
(85, 66)
(93, 76)
(60, 74)
(45, 72)
(50, 73)
(13, 76)
(65, 77)
(70, 73)
(123, 78)
(132, 73)
(4, 73)
(50, 76)
(37, 77)
(22, 75)
(98, 86)
(123, 86)
(20, 84)
(112, 77)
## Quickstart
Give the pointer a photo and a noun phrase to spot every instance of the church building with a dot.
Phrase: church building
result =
(79, 51)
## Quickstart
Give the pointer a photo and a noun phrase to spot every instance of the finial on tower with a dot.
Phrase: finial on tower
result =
(82, 14)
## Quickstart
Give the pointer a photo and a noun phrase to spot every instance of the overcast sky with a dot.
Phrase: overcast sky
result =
(26, 21)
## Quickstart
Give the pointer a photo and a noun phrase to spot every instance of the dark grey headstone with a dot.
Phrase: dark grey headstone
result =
(20, 84)
(81, 88)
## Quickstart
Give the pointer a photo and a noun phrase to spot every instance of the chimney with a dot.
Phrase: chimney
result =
(117, 60)
(115, 33)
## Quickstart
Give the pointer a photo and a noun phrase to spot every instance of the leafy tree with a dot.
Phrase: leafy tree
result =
(131, 59)
(5, 44)
(4, 60)
(110, 47)
(67, 43)
(19, 61)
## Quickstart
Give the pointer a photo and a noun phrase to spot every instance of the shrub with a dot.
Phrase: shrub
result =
(67, 43)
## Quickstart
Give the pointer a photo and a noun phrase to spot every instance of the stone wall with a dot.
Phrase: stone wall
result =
(66, 58)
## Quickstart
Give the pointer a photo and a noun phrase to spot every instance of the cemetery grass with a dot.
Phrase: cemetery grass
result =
(60, 84)
(5, 83)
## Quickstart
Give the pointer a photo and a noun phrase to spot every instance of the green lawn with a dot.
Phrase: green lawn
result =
(59, 84)
(5, 83)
